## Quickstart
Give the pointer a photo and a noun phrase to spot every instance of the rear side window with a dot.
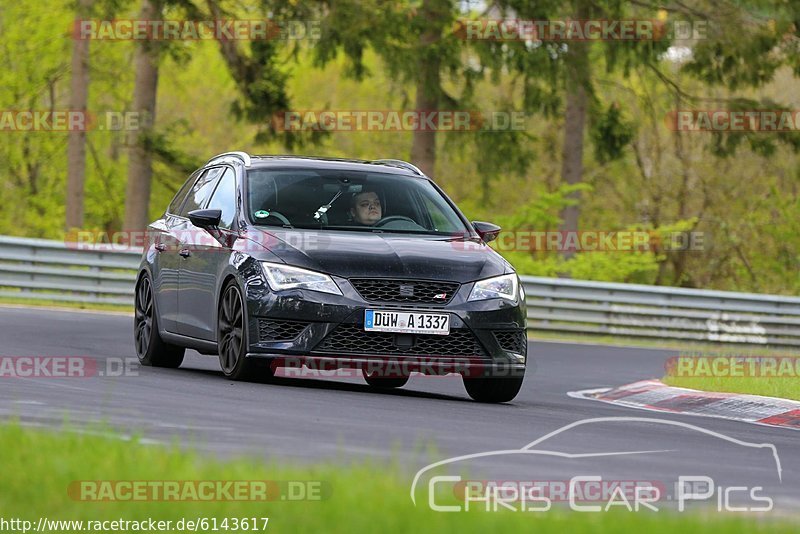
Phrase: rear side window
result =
(225, 198)
(201, 191)
(175, 205)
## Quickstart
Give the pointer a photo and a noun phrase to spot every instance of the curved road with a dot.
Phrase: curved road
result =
(302, 419)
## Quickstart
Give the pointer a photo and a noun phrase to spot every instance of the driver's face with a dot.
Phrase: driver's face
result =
(367, 209)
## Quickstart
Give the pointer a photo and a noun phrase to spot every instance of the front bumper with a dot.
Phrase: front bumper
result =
(299, 327)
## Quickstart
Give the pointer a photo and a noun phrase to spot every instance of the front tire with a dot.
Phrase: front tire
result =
(150, 348)
(493, 389)
(232, 334)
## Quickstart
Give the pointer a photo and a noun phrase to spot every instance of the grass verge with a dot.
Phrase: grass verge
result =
(645, 343)
(732, 370)
(784, 388)
(62, 305)
(39, 466)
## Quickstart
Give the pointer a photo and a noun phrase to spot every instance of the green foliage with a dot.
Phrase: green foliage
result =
(611, 134)
(629, 267)
(542, 212)
(742, 191)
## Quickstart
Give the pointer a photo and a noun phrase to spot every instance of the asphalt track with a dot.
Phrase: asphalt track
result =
(343, 420)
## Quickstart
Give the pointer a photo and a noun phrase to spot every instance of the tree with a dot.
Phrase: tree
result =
(416, 43)
(261, 84)
(745, 45)
(140, 171)
(76, 143)
(257, 73)
(429, 92)
(577, 80)
(560, 77)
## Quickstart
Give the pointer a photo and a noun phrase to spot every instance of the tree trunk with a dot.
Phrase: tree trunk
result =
(429, 91)
(577, 82)
(423, 147)
(76, 143)
(137, 196)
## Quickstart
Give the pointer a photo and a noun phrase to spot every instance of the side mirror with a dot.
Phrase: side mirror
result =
(205, 218)
(486, 230)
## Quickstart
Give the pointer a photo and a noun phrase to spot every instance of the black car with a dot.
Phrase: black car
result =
(274, 261)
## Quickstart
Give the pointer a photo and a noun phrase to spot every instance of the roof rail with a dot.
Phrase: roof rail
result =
(400, 163)
(244, 157)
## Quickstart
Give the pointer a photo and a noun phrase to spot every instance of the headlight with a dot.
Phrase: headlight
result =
(505, 286)
(281, 277)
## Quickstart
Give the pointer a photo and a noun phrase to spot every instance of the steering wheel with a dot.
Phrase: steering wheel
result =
(392, 218)
(277, 215)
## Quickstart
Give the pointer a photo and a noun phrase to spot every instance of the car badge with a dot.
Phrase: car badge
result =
(406, 290)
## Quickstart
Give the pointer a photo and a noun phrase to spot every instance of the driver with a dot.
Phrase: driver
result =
(365, 208)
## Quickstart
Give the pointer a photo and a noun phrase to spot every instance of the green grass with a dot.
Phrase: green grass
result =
(645, 343)
(771, 373)
(785, 388)
(39, 466)
(57, 304)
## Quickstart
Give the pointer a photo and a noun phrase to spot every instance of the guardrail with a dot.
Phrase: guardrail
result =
(52, 270)
(659, 312)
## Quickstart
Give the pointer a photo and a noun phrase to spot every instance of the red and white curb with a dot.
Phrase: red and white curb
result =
(654, 395)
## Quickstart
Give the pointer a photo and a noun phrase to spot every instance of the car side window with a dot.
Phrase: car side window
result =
(201, 191)
(441, 221)
(224, 198)
(177, 201)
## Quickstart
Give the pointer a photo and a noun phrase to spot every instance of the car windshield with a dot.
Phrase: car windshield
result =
(349, 200)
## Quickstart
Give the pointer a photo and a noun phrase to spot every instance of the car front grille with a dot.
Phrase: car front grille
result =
(352, 339)
(512, 340)
(406, 291)
(280, 329)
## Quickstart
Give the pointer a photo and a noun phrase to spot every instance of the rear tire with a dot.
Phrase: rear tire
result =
(151, 350)
(232, 335)
(383, 382)
(493, 389)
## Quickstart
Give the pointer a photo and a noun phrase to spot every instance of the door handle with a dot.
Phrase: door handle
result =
(160, 247)
(185, 252)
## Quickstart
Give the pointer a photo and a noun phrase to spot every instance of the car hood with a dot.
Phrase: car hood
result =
(368, 254)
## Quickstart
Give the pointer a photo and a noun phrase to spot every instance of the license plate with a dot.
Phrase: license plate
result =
(406, 322)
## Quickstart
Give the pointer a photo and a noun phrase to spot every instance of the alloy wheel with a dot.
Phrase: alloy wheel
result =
(231, 328)
(143, 316)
